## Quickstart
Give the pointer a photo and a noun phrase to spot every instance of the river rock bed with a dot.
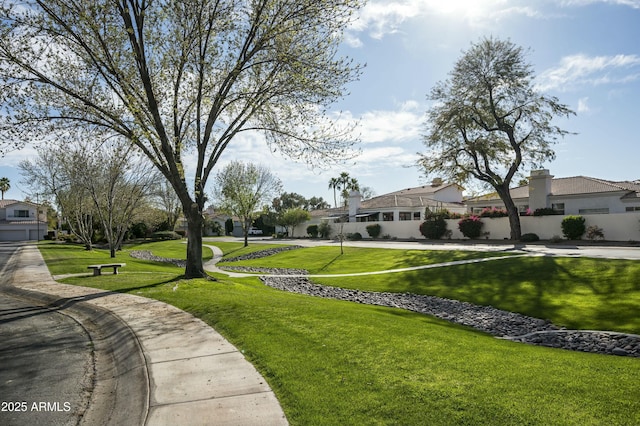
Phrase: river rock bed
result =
(147, 255)
(261, 253)
(499, 323)
(257, 270)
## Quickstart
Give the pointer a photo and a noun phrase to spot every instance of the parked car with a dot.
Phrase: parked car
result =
(255, 231)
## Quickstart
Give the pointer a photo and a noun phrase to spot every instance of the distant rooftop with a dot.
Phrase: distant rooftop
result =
(576, 185)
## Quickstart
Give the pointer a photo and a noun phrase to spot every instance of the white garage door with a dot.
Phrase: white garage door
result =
(12, 235)
(33, 234)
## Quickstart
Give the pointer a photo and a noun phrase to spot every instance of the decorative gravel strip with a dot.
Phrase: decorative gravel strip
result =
(261, 253)
(499, 323)
(274, 271)
(146, 255)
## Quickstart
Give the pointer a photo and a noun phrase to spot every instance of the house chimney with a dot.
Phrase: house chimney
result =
(354, 204)
(539, 189)
(436, 182)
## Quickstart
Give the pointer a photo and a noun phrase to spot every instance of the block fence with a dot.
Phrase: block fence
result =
(616, 227)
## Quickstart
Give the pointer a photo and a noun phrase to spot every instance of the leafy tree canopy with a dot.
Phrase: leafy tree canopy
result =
(488, 120)
(178, 78)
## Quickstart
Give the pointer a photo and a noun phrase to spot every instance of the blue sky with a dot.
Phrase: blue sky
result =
(585, 52)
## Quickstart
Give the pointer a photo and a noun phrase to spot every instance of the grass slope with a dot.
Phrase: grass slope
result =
(598, 294)
(341, 363)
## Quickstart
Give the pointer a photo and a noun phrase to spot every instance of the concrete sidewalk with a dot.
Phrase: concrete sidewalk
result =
(172, 368)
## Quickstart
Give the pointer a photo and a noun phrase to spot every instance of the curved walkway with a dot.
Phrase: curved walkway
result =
(172, 368)
(211, 266)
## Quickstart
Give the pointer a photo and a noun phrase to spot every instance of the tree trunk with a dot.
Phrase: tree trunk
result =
(512, 211)
(194, 267)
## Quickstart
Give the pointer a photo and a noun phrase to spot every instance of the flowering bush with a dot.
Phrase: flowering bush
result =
(493, 212)
(470, 226)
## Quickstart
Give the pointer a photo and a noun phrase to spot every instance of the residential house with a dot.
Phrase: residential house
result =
(19, 222)
(399, 213)
(578, 195)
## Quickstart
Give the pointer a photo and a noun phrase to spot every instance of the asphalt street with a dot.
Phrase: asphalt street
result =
(46, 361)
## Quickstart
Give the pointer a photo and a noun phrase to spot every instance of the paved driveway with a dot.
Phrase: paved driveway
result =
(46, 361)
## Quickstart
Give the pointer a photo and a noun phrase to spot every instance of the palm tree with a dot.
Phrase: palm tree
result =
(347, 183)
(344, 183)
(4, 185)
(334, 183)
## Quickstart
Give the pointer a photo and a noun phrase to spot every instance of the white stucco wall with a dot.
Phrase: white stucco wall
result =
(573, 205)
(616, 227)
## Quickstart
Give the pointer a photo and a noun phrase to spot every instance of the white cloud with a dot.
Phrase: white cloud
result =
(382, 17)
(580, 70)
(631, 3)
(393, 126)
(583, 105)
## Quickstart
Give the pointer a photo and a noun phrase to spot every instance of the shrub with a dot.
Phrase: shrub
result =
(139, 230)
(312, 230)
(529, 237)
(324, 229)
(555, 239)
(228, 226)
(434, 228)
(356, 236)
(374, 230)
(493, 212)
(594, 233)
(573, 227)
(470, 226)
(544, 211)
(166, 235)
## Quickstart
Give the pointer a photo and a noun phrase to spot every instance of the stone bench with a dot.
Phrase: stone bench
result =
(97, 269)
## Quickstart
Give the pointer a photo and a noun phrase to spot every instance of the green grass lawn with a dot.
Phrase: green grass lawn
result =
(328, 260)
(598, 294)
(73, 259)
(340, 363)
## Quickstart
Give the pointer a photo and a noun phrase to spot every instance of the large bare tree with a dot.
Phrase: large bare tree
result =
(176, 77)
(488, 120)
(92, 182)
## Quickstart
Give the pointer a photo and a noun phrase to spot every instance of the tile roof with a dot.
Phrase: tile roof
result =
(5, 203)
(576, 185)
(422, 190)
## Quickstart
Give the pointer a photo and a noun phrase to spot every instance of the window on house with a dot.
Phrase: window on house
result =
(21, 213)
(387, 217)
(416, 215)
(405, 215)
(558, 208)
(594, 211)
(633, 209)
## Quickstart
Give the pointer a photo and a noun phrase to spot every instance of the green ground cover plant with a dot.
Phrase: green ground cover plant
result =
(334, 362)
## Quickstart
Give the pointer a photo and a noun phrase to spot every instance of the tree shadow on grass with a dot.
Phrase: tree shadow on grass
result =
(330, 263)
(516, 285)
